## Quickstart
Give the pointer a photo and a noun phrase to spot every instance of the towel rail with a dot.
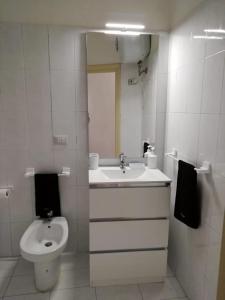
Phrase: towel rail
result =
(30, 172)
(173, 154)
(204, 169)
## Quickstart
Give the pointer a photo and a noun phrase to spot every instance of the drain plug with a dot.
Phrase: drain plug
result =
(48, 244)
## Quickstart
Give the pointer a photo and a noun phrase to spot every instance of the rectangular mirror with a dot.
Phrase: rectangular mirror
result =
(122, 93)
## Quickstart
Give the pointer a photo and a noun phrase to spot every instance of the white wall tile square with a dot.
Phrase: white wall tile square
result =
(38, 91)
(162, 93)
(11, 46)
(16, 163)
(17, 230)
(176, 91)
(189, 136)
(13, 94)
(193, 87)
(72, 244)
(4, 210)
(63, 90)
(69, 207)
(5, 240)
(83, 203)
(212, 86)
(40, 130)
(3, 168)
(82, 166)
(35, 39)
(21, 206)
(208, 136)
(61, 47)
(41, 161)
(2, 140)
(15, 130)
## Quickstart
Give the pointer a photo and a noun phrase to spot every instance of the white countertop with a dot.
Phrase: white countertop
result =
(114, 177)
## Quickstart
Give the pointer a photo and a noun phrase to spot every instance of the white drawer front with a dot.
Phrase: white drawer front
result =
(127, 267)
(129, 202)
(120, 235)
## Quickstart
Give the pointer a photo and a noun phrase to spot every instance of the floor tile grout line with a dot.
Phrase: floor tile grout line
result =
(140, 291)
(96, 297)
(14, 270)
(10, 279)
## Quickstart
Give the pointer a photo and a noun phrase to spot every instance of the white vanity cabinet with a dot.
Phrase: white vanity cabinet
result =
(128, 234)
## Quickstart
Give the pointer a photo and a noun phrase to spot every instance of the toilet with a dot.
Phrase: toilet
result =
(42, 243)
(46, 238)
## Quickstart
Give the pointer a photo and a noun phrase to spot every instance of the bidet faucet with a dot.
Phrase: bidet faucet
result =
(122, 162)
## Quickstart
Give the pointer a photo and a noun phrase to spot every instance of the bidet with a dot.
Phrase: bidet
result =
(42, 243)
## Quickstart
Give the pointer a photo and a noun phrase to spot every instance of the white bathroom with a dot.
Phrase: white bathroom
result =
(112, 152)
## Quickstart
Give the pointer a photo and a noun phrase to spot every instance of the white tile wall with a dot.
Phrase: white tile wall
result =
(195, 126)
(43, 93)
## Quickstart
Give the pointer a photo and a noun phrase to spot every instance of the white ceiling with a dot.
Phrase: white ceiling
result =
(157, 15)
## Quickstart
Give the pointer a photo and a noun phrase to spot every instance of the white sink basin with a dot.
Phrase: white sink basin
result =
(119, 174)
(114, 175)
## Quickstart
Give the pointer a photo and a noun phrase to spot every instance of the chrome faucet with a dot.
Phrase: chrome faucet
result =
(122, 162)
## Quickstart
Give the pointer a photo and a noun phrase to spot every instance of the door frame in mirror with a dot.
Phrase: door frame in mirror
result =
(112, 68)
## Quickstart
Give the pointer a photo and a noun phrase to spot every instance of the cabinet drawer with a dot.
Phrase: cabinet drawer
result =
(109, 203)
(119, 235)
(127, 267)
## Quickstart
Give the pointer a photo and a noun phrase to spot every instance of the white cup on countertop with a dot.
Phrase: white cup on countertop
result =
(93, 161)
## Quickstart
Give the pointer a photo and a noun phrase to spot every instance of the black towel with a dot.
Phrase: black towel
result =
(47, 195)
(187, 203)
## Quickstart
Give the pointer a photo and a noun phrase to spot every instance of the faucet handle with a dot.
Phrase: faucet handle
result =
(121, 155)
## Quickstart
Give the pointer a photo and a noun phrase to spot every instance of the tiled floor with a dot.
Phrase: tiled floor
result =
(17, 283)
